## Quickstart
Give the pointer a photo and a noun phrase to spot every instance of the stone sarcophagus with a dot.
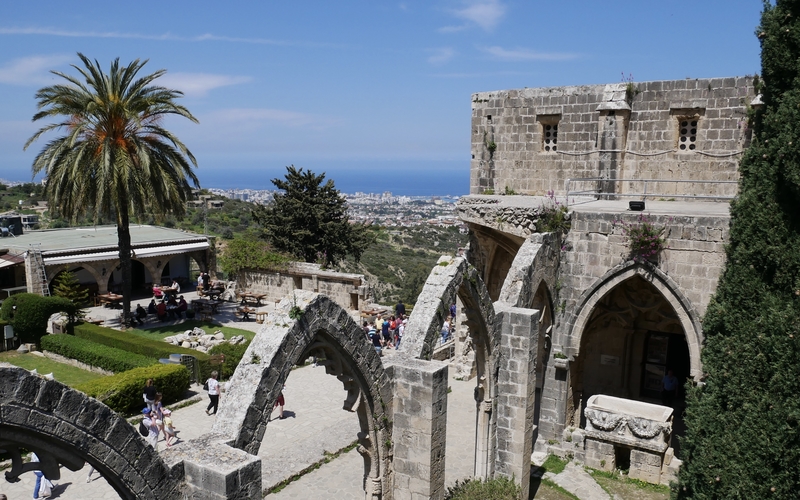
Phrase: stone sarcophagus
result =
(623, 429)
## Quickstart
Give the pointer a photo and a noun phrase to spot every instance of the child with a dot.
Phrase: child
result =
(170, 433)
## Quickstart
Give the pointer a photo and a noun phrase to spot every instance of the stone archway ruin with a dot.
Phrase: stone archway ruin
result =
(317, 325)
(66, 427)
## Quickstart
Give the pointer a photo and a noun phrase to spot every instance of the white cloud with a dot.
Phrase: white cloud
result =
(256, 117)
(441, 55)
(164, 36)
(452, 29)
(32, 70)
(485, 13)
(199, 84)
(520, 54)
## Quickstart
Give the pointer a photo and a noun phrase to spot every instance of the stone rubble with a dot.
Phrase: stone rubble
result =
(198, 339)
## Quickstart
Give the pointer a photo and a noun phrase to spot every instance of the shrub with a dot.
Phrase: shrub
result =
(29, 319)
(500, 488)
(94, 354)
(645, 240)
(140, 345)
(233, 355)
(123, 392)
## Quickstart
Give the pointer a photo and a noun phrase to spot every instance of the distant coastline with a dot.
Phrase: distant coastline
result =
(400, 181)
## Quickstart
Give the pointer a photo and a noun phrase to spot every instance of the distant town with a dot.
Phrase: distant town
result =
(382, 209)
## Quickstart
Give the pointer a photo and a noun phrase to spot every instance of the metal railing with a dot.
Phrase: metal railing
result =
(645, 193)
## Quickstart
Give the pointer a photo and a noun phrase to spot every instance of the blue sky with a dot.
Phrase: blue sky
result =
(356, 88)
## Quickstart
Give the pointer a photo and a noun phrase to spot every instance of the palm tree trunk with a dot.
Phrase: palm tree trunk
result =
(124, 237)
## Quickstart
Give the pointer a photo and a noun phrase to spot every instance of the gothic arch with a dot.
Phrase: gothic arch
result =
(685, 311)
(458, 277)
(66, 427)
(535, 263)
(283, 342)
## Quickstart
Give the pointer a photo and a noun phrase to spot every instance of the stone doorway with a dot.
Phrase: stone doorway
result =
(632, 337)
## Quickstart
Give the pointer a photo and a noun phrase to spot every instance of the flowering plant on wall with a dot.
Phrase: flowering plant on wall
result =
(644, 239)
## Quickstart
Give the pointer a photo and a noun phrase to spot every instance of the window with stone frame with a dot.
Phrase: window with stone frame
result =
(549, 124)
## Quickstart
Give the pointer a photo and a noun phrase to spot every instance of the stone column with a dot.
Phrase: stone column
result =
(212, 470)
(516, 391)
(419, 428)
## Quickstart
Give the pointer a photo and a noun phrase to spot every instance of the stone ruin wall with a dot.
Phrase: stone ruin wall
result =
(603, 132)
(348, 290)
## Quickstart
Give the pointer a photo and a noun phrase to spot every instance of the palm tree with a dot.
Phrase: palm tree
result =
(116, 160)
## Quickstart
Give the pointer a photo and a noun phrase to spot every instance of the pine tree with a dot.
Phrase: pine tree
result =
(68, 287)
(743, 424)
(309, 220)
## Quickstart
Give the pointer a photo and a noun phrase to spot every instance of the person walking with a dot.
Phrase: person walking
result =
(400, 309)
(281, 401)
(149, 421)
(170, 433)
(149, 393)
(43, 487)
(213, 393)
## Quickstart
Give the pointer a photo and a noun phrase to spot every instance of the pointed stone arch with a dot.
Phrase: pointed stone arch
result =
(317, 325)
(685, 311)
(66, 427)
(458, 277)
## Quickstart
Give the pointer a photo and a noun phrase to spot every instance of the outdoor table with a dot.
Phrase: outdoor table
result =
(245, 311)
(247, 297)
(110, 299)
(214, 292)
(212, 305)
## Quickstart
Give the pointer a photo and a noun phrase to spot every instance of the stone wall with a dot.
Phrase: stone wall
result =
(350, 291)
(611, 131)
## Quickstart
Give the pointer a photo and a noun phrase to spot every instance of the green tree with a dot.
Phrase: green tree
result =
(309, 220)
(743, 424)
(240, 254)
(67, 286)
(116, 160)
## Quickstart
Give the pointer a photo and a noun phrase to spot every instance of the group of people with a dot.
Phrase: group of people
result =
(385, 333)
(171, 308)
(157, 419)
(214, 389)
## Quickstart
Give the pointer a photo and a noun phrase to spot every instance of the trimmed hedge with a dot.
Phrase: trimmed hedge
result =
(140, 345)
(233, 355)
(94, 354)
(29, 319)
(123, 392)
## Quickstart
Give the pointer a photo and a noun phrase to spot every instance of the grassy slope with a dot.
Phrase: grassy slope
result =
(64, 373)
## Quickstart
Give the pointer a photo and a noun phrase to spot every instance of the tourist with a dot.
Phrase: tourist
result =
(41, 488)
(141, 314)
(149, 393)
(445, 330)
(157, 293)
(157, 412)
(170, 433)
(149, 421)
(400, 309)
(669, 388)
(151, 309)
(89, 475)
(279, 403)
(387, 337)
(172, 307)
(176, 288)
(213, 393)
(375, 337)
(161, 311)
(400, 331)
(182, 306)
(453, 311)
(206, 282)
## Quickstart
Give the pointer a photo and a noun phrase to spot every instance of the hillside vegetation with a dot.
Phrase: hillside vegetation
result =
(399, 262)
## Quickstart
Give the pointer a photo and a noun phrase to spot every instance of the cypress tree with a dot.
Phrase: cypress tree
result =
(743, 423)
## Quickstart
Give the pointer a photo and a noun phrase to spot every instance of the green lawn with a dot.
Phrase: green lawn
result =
(164, 331)
(64, 373)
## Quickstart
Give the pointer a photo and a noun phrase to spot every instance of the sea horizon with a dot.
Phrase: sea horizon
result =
(401, 178)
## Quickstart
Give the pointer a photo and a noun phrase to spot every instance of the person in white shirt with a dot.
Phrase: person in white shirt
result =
(213, 394)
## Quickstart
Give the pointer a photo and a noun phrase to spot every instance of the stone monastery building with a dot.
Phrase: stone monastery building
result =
(566, 329)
